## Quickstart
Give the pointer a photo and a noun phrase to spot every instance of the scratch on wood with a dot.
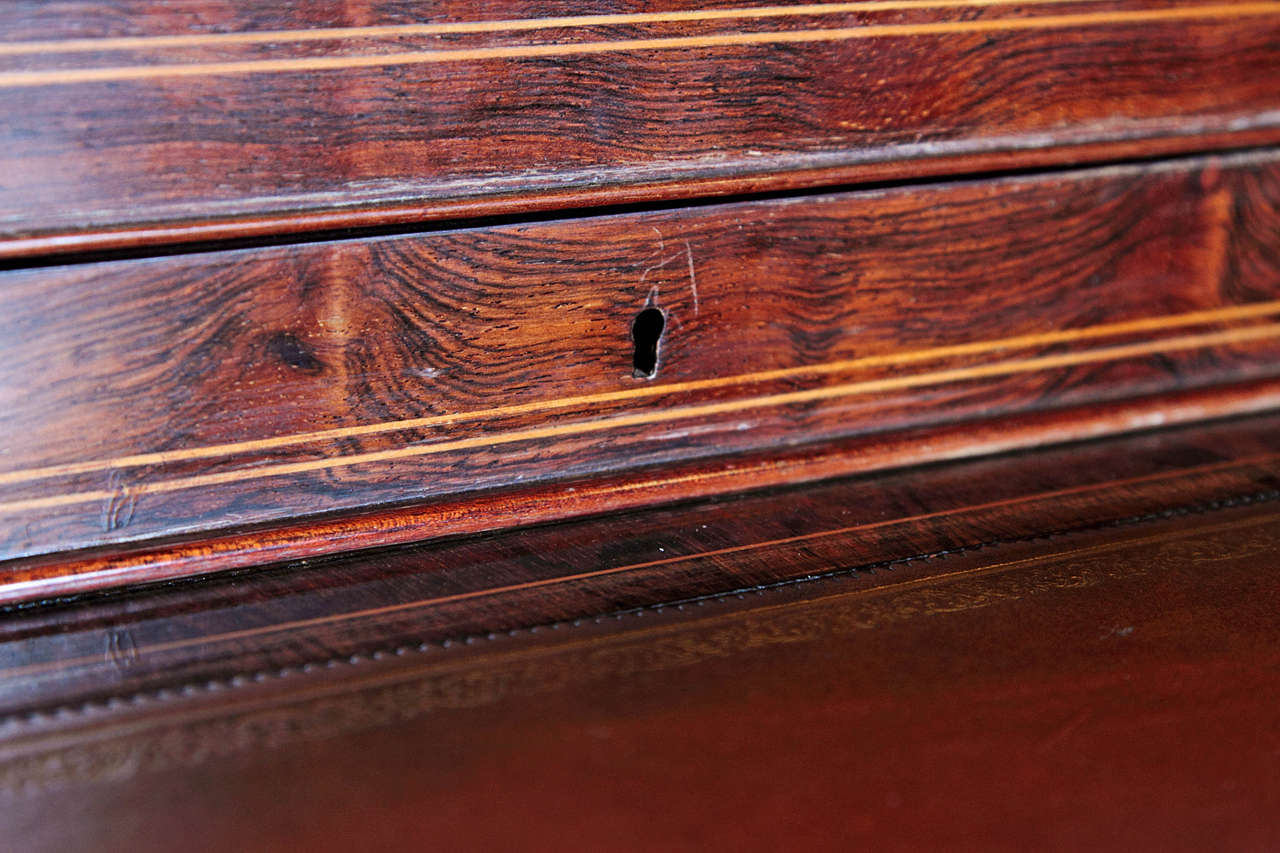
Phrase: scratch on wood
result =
(662, 245)
(652, 297)
(693, 278)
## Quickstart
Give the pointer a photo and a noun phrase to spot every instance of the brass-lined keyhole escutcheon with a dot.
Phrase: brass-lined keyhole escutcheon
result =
(646, 333)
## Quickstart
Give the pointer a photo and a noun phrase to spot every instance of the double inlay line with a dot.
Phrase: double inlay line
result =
(809, 10)
(1235, 313)
(1110, 17)
(1011, 367)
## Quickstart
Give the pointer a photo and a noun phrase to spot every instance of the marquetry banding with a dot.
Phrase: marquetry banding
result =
(1270, 331)
(23, 79)
(1252, 311)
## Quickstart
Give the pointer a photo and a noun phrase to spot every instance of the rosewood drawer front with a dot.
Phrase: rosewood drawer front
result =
(128, 122)
(156, 397)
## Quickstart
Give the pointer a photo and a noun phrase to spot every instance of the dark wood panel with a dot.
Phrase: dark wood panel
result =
(128, 122)
(1005, 685)
(156, 397)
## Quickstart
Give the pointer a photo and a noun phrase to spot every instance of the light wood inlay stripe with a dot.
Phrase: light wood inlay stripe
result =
(808, 10)
(1252, 311)
(1269, 331)
(26, 79)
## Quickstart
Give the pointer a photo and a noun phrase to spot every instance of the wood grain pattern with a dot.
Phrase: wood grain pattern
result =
(548, 523)
(189, 393)
(568, 48)
(129, 126)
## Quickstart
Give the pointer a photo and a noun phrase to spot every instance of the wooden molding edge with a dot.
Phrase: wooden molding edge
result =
(57, 575)
(800, 172)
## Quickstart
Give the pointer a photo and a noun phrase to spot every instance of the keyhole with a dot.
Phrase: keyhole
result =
(646, 331)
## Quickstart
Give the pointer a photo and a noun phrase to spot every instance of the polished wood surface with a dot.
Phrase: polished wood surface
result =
(1055, 649)
(211, 390)
(639, 425)
(135, 124)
